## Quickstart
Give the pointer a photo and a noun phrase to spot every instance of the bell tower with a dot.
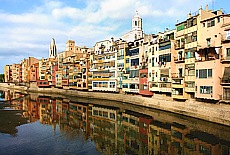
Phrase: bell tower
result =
(137, 22)
(53, 49)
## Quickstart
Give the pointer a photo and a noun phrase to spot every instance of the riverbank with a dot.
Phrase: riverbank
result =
(217, 113)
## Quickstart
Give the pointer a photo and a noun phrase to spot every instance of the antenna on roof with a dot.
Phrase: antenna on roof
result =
(213, 4)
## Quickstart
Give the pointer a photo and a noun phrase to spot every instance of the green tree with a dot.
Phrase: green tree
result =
(1, 77)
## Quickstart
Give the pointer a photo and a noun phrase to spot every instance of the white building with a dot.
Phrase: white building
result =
(136, 32)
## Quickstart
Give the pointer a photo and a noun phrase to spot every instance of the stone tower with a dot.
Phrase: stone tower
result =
(137, 22)
(53, 49)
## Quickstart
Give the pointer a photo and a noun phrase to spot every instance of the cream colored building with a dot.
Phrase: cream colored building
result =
(161, 63)
(104, 66)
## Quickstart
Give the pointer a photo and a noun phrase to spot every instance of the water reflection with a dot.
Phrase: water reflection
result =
(125, 130)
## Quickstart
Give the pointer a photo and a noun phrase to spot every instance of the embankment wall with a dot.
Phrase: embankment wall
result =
(217, 113)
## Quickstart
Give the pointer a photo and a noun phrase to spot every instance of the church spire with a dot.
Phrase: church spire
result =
(53, 49)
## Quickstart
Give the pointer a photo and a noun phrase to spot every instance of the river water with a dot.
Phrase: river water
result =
(42, 124)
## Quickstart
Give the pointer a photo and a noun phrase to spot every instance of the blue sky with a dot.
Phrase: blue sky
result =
(27, 26)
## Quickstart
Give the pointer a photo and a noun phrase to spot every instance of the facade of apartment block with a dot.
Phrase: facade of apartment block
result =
(104, 66)
(192, 61)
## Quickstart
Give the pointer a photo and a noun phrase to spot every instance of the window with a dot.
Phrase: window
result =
(218, 19)
(135, 23)
(227, 34)
(125, 85)
(204, 73)
(190, 70)
(105, 114)
(228, 51)
(165, 46)
(135, 62)
(203, 24)
(132, 86)
(95, 84)
(95, 112)
(205, 150)
(153, 62)
(112, 115)
(208, 42)
(191, 37)
(112, 85)
(134, 73)
(206, 89)
(127, 60)
(211, 23)
(209, 72)
(143, 87)
(190, 84)
(134, 51)
(189, 53)
(165, 58)
(143, 75)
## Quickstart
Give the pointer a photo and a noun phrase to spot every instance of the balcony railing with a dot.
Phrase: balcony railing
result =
(179, 59)
(179, 46)
(177, 75)
(207, 44)
(225, 80)
(227, 58)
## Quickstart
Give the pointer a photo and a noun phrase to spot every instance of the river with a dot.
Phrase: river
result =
(43, 124)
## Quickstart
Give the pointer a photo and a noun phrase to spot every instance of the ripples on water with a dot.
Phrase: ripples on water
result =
(52, 125)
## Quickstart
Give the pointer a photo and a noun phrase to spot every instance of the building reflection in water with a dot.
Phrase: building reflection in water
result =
(119, 131)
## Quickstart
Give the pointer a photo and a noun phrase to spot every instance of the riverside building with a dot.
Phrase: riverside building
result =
(190, 62)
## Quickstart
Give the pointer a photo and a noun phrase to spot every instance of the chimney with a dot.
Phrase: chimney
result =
(221, 9)
(206, 8)
(189, 15)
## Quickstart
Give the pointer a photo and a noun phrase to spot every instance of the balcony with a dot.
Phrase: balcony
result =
(177, 93)
(181, 97)
(180, 45)
(206, 44)
(225, 59)
(177, 76)
(225, 38)
(178, 60)
(100, 79)
(190, 78)
(188, 89)
(165, 87)
(177, 83)
(225, 81)
(190, 60)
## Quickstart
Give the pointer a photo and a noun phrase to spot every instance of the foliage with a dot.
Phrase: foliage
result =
(1, 77)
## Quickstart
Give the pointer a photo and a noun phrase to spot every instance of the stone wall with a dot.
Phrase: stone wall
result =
(217, 113)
